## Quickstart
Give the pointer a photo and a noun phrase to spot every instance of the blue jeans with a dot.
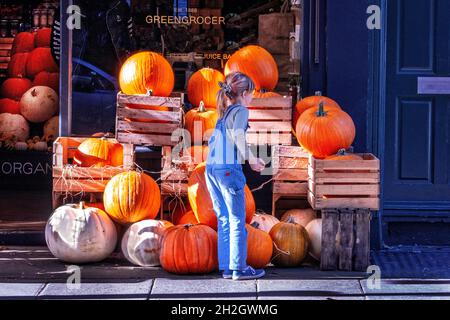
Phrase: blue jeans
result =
(226, 185)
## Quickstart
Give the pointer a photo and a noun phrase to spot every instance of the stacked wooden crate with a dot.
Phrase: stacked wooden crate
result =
(71, 182)
(290, 174)
(149, 120)
(346, 191)
(5, 55)
(270, 121)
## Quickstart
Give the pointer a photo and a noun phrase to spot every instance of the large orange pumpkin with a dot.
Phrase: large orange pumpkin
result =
(200, 123)
(201, 202)
(48, 79)
(132, 196)
(189, 249)
(9, 106)
(291, 243)
(14, 88)
(257, 63)
(311, 102)
(41, 59)
(147, 71)
(23, 42)
(17, 67)
(94, 152)
(344, 155)
(203, 86)
(259, 247)
(325, 130)
(43, 38)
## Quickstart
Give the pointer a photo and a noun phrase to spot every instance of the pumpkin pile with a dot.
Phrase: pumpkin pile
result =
(29, 101)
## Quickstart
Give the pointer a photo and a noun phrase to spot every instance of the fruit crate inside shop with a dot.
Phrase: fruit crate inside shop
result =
(71, 181)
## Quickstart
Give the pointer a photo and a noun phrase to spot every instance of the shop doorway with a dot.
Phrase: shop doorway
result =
(415, 123)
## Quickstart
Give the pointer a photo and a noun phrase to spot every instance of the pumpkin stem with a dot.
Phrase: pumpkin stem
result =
(201, 108)
(291, 220)
(149, 92)
(341, 152)
(318, 93)
(255, 225)
(34, 93)
(321, 112)
(82, 205)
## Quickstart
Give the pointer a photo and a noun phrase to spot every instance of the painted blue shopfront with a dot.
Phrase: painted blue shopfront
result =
(374, 74)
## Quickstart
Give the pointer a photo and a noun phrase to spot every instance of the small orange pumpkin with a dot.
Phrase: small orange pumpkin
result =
(132, 196)
(203, 86)
(312, 102)
(325, 131)
(257, 63)
(146, 72)
(259, 247)
(94, 152)
(188, 249)
(344, 155)
(200, 123)
(201, 202)
(291, 243)
(188, 218)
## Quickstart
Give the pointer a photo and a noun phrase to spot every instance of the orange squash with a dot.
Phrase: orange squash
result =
(23, 42)
(43, 38)
(94, 152)
(203, 86)
(188, 249)
(41, 59)
(259, 247)
(131, 196)
(188, 218)
(200, 123)
(9, 106)
(14, 88)
(325, 130)
(258, 64)
(291, 243)
(147, 72)
(17, 67)
(48, 79)
(344, 155)
(263, 95)
(201, 202)
(312, 102)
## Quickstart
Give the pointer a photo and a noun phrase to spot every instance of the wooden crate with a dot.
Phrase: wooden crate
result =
(345, 239)
(70, 181)
(344, 184)
(290, 180)
(148, 127)
(5, 55)
(266, 116)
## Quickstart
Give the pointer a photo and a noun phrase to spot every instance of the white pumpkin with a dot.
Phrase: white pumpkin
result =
(14, 125)
(78, 234)
(300, 216)
(141, 243)
(51, 128)
(264, 222)
(314, 229)
(39, 104)
(40, 146)
(21, 146)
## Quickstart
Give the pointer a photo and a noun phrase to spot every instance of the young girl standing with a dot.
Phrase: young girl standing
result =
(225, 179)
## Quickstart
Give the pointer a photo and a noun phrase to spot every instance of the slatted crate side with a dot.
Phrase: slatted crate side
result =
(345, 240)
(174, 180)
(344, 184)
(270, 121)
(147, 126)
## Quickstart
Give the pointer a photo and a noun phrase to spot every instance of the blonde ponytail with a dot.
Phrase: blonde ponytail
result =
(235, 84)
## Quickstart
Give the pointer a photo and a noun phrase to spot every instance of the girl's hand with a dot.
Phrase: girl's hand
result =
(258, 165)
